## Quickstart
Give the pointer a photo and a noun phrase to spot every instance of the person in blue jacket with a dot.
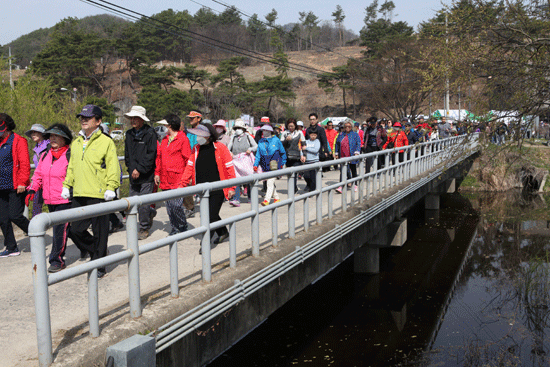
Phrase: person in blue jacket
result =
(348, 144)
(270, 155)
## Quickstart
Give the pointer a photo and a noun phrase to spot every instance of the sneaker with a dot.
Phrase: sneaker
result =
(339, 190)
(143, 234)
(100, 274)
(265, 203)
(189, 213)
(355, 188)
(221, 239)
(7, 253)
(276, 201)
(245, 191)
(116, 228)
(55, 268)
(235, 203)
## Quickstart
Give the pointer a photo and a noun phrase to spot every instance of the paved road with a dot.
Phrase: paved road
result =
(68, 299)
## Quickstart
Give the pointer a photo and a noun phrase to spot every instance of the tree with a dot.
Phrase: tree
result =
(256, 29)
(70, 57)
(499, 50)
(230, 16)
(339, 17)
(309, 21)
(390, 77)
(193, 76)
(339, 77)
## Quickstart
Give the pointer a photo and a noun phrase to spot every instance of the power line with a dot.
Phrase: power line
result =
(127, 13)
(209, 40)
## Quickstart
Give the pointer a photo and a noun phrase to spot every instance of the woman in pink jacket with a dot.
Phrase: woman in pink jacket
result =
(49, 176)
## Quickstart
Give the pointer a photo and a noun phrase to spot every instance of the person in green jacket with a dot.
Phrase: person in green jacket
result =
(93, 175)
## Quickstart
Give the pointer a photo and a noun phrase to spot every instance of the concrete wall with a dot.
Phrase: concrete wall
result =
(200, 347)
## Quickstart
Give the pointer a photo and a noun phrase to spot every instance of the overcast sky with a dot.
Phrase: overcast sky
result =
(19, 17)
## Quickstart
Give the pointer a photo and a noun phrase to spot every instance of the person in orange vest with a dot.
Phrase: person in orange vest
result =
(396, 139)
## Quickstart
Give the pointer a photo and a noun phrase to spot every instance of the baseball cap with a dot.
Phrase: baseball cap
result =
(90, 110)
(264, 119)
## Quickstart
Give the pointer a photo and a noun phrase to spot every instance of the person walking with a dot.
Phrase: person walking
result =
(396, 139)
(15, 168)
(293, 141)
(195, 118)
(36, 134)
(210, 161)
(270, 156)
(93, 174)
(140, 153)
(172, 156)
(312, 148)
(321, 135)
(375, 138)
(348, 144)
(221, 129)
(242, 146)
(48, 177)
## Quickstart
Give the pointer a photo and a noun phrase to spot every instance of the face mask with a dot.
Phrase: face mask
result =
(201, 140)
(219, 130)
(266, 134)
(239, 132)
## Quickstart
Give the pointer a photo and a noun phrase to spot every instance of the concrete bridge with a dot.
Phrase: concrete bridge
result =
(188, 308)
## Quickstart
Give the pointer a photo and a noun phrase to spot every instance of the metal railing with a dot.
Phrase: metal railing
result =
(417, 160)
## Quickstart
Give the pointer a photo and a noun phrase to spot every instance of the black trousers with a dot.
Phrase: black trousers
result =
(144, 211)
(60, 236)
(292, 163)
(12, 206)
(214, 205)
(95, 244)
(369, 161)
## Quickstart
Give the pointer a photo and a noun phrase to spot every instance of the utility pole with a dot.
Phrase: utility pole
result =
(9, 62)
(447, 77)
(459, 103)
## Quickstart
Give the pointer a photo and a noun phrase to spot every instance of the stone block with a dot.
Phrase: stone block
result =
(136, 351)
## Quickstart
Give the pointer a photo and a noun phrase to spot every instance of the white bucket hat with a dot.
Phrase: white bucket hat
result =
(137, 111)
(239, 124)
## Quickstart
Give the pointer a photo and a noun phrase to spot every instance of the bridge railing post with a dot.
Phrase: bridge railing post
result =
(344, 187)
(41, 298)
(319, 199)
(291, 206)
(133, 262)
(363, 173)
(205, 242)
(255, 221)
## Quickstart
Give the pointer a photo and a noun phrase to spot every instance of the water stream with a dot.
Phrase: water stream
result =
(471, 287)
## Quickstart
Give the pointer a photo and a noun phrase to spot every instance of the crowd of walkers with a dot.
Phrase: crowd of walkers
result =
(72, 172)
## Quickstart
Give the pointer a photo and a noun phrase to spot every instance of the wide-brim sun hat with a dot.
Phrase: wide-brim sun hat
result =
(239, 124)
(267, 128)
(162, 122)
(200, 130)
(36, 127)
(137, 111)
(300, 123)
(221, 123)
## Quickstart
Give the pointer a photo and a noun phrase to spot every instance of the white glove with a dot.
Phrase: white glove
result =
(65, 193)
(109, 195)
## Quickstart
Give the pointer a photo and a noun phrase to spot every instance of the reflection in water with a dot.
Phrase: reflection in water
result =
(446, 298)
